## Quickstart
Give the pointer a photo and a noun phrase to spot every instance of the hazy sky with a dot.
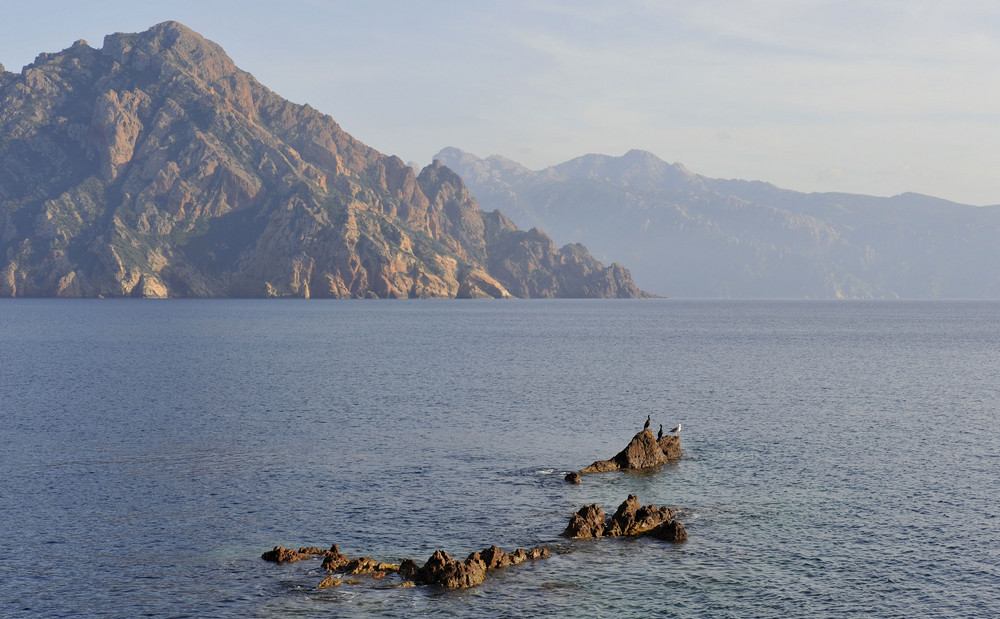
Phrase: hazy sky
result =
(872, 96)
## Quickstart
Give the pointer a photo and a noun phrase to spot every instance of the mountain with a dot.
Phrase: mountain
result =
(154, 167)
(686, 235)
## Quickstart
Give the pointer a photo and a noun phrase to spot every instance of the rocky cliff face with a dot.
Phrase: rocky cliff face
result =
(154, 167)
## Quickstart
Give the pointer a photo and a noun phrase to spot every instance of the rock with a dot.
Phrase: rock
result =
(634, 519)
(642, 452)
(573, 478)
(601, 466)
(328, 582)
(670, 446)
(280, 554)
(672, 531)
(495, 558)
(518, 557)
(631, 519)
(334, 560)
(366, 565)
(409, 569)
(589, 521)
(442, 570)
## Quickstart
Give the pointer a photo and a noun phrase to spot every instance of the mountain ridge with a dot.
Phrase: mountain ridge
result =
(691, 236)
(155, 167)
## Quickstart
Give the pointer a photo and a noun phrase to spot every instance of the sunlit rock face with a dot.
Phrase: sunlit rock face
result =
(154, 167)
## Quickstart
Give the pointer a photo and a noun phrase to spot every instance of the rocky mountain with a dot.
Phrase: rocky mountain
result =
(686, 235)
(154, 167)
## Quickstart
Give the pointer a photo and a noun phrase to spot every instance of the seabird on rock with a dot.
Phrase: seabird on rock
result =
(660, 434)
(648, 418)
(677, 430)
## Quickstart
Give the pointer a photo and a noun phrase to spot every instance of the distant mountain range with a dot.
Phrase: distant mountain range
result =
(154, 167)
(685, 235)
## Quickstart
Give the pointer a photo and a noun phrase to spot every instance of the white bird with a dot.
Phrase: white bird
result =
(676, 430)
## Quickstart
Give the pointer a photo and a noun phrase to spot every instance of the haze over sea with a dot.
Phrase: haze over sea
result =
(840, 458)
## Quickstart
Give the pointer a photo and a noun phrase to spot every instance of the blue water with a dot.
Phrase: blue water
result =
(840, 458)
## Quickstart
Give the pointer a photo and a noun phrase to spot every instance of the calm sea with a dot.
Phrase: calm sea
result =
(840, 458)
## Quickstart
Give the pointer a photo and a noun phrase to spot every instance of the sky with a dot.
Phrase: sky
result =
(877, 97)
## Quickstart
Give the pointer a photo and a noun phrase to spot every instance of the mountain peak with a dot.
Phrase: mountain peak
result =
(169, 44)
(155, 167)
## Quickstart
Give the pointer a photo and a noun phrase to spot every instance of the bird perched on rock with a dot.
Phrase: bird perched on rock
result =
(676, 430)
(648, 419)
(660, 434)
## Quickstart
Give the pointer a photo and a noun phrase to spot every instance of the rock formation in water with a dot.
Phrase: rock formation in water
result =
(154, 167)
(631, 519)
(440, 569)
(642, 452)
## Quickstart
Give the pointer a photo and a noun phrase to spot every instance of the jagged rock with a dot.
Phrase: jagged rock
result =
(589, 521)
(631, 519)
(643, 451)
(442, 570)
(154, 167)
(334, 560)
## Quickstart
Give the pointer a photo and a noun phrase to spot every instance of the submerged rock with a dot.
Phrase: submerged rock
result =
(643, 452)
(631, 519)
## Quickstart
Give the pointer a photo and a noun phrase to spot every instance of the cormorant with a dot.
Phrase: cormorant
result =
(660, 434)
(648, 417)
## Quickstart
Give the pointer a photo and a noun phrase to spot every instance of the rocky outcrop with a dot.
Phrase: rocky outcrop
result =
(631, 519)
(154, 167)
(440, 569)
(642, 452)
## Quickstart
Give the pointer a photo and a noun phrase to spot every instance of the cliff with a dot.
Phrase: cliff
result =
(154, 167)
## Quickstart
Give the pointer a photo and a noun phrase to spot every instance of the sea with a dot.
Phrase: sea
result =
(840, 458)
